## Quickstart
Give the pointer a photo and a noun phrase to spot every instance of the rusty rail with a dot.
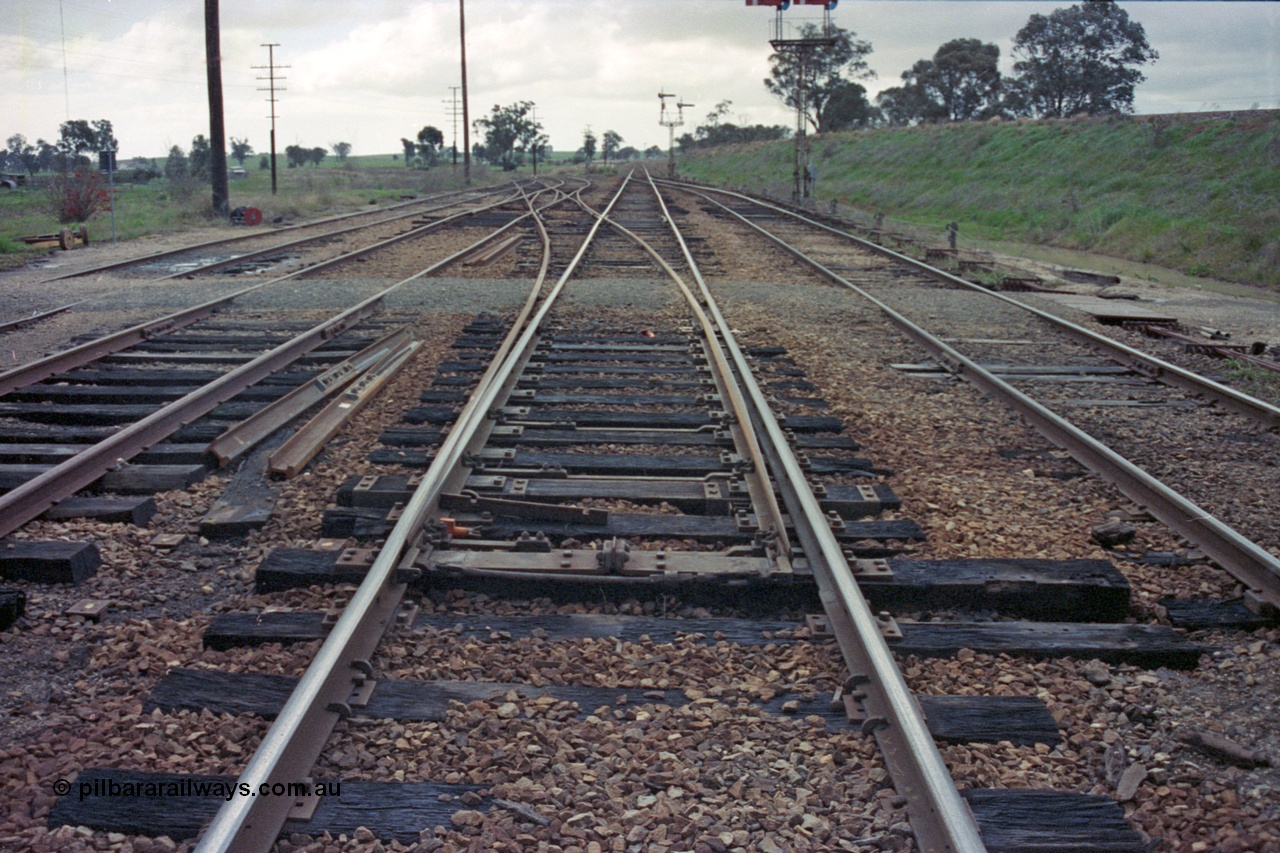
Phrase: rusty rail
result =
(372, 247)
(209, 244)
(33, 497)
(291, 457)
(10, 325)
(241, 438)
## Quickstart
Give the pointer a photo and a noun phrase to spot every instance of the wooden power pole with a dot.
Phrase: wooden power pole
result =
(217, 132)
(466, 118)
(272, 88)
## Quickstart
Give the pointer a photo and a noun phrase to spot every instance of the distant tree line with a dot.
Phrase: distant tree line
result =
(297, 155)
(509, 136)
(80, 140)
(716, 131)
(77, 139)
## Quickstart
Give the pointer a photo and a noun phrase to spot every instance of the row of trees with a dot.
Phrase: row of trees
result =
(76, 139)
(80, 138)
(1079, 60)
(717, 131)
(609, 145)
(298, 155)
(511, 134)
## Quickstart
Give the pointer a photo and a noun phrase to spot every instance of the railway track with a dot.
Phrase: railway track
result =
(293, 247)
(1061, 375)
(135, 409)
(720, 670)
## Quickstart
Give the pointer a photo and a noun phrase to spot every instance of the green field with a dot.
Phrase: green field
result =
(1193, 193)
(159, 206)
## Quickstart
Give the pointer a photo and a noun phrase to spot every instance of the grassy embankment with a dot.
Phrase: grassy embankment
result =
(160, 207)
(1193, 193)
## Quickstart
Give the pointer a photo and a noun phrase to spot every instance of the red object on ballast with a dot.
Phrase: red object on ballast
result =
(252, 216)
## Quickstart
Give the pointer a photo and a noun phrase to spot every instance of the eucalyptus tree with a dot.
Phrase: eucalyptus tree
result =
(504, 128)
(820, 74)
(1082, 59)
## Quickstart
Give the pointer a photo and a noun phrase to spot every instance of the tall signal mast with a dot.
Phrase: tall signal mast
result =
(671, 122)
(804, 49)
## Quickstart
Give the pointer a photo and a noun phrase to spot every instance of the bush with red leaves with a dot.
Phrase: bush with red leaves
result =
(75, 197)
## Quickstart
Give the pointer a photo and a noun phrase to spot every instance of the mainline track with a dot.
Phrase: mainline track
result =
(595, 456)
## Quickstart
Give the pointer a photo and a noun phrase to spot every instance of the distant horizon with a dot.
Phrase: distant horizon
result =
(447, 162)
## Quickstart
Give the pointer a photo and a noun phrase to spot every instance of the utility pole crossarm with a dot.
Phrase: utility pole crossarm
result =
(272, 88)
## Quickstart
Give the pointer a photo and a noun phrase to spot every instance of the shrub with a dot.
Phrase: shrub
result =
(74, 197)
(138, 176)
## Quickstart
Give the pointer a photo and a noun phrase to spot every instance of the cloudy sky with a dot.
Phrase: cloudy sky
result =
(368, 72)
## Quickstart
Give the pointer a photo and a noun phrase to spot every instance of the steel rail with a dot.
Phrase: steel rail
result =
(86, 353)
(242, 437)
(940, 818)
(237, 440)
(33, 497)
(1148, 365)
(1221, 350)
(300, 448)
(209, 244)
(60, 362)
(1243, 559)
(10, 325)
(293, 743)
(759, 486)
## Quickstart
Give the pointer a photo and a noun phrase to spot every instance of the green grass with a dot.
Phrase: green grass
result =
(1193, 193)
(162, 207)
(1260, 383)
